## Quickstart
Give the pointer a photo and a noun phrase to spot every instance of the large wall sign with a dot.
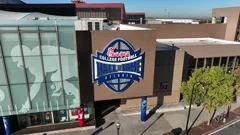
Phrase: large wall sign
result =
(118, 66)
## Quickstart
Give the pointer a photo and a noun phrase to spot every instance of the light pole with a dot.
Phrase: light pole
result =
(189, 110)
(118, 127)
(165, 13)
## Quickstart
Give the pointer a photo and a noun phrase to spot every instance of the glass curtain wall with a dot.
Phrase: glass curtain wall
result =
(38, 68)
(228, 64)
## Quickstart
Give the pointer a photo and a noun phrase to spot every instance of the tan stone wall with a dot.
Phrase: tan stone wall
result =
(232, 14)
(158, 99)
(187, 30)
(169, 68)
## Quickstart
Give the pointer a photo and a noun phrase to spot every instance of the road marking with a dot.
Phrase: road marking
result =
(224, 127)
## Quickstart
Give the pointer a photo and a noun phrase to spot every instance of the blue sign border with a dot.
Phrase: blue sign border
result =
(133, 78)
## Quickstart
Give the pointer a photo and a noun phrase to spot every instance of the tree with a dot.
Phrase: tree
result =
(218, 89)
(195, 85)
(236, 74)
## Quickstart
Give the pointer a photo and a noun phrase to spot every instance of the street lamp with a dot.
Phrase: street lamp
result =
(189, 110)
(118, 127)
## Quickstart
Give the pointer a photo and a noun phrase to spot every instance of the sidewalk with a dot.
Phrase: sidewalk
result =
(157, 124)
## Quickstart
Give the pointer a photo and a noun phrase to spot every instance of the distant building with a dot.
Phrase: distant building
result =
(136, 18)
(167, 21)
(115, 12)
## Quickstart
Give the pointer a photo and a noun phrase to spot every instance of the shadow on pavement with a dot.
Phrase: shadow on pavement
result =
(196, 119)
(109, 125)
(153, 111)
(176, 131)
(101, 129)
(152, 123)
(97, 131)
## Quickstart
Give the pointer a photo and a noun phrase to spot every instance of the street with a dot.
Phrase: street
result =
(231, 130)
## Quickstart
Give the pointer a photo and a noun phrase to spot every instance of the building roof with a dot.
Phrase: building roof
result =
(99, 5)
(194, 41)
(200, 47)
(50, 5)
(124, 27)
(177, 20)
(135, 13)
(7, 15)
(11, 2)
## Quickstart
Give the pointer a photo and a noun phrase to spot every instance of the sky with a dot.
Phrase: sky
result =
(161, 8)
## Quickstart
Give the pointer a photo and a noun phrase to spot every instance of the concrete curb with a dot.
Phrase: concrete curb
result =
(222, 126)
(192, 106)
(160, 110)
(65, 130)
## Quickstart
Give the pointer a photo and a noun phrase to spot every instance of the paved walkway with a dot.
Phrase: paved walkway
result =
(157, 124)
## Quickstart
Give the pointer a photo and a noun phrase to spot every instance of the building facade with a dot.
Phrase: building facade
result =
(50, 68)
(111, 11)
(229, 16)
(39, 72)
(136, 18)
(114, 12)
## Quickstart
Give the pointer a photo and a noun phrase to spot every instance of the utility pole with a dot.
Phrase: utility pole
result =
(165, 14)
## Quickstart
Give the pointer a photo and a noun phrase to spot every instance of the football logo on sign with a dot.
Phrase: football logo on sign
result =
(118, 66)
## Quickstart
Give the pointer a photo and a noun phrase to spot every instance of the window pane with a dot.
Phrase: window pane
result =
(49, 43)
(15, 70)
(192, 63)
(0, 50)
(2, 74)
(55, 95)
(36, 119)
(229, 71)
(97, 27)
(45, 28)
(19, 95)
(223, 62)
(69, 67)
(34, 69)
(216, 61)
(24, 120)
(47, 117)
(208, 62)
(200, 62)
(39, 102)
(8, 28)
(89, 25)
(51, 68)
(89, 111)
(72, 94)
(230, 62)
(238, 62)
(28, 28)
(5, 100)
(8, 42)
(30, 44)
(67, 40)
